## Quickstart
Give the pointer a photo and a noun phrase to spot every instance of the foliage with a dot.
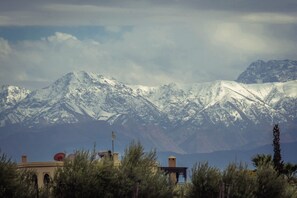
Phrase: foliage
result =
(290, 191)
(87, 177)
(139, 174)
(239, 182)
(287, 169)
(290, 170)
(84, 177)
(261, 159)
(236, 181)
(270, 183)
(8, 176)
(205, 181)
(277, 159)
(13, 182)
(181, 190)
(27, 187)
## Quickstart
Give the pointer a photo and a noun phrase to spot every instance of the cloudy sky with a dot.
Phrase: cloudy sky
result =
(149, 42)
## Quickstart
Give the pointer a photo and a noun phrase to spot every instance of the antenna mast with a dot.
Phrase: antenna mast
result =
(112, 140)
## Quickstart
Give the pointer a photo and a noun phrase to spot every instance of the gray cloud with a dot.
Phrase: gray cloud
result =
(134, 12)
(169, 41)
(234, 5)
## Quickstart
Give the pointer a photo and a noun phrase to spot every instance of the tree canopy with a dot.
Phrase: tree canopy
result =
(13, 182)
(136, 176)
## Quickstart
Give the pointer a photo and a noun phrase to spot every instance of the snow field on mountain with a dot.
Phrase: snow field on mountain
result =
(82, 95)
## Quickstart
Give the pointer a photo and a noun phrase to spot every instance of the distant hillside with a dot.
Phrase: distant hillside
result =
(221, 159)
(271, 71)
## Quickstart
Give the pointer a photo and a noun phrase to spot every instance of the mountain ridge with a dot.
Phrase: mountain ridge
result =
(77, 95)
(270, 71)
(201, 117)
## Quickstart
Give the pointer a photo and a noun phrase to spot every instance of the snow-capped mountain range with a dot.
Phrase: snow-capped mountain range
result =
(270, 71)
(80, 96)
(187, 118)
(76, 97)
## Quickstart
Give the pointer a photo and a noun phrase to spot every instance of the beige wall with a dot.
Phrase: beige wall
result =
(41, 169)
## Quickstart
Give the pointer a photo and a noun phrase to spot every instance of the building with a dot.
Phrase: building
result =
(173, 171)
(44, 171)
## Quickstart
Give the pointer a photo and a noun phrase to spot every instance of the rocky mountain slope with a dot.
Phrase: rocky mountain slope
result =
(11, 95)
(78, 97)
(270, 71)
(81, 96)
(204, 117)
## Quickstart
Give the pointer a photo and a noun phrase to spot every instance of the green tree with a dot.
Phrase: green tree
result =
(277, 159)
(290, 170)
(27, 186)
(239, 182)
(205, 181)
(139, 175)
(8, 177)
(84, 177)
(13, 182)
(261, 159)
(270, 183)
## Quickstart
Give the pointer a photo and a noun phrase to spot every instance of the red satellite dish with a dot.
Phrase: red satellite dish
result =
(59, 157)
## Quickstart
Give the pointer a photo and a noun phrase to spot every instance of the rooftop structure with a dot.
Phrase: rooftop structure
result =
(173, 171)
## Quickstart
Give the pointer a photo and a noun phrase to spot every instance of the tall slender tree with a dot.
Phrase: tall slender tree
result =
(277, 158)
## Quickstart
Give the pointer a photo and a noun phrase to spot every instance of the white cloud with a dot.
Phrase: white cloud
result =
(4, 47)
(60, 37)
(180, 41)
(273, 18)
(232, 35)
(147, 54)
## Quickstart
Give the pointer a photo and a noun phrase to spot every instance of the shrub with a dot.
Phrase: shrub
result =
(270, 183)
(140, 175)
(239, 181)
(13, 182)
(205, 181)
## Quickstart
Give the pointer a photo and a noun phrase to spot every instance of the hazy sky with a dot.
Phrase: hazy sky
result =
(147, 42)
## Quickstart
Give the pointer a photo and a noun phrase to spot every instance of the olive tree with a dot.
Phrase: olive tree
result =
(239, 182)
(84, 176)
(205, 181)
(14, 182)
(136, 176)
(139, 175)
(8, 177)
(270, 183)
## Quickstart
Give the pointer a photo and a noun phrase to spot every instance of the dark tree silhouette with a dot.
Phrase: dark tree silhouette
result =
(277, 159)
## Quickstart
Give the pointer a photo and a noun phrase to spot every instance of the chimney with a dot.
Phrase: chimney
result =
(171, 161)
(24, 158)
(172, 164)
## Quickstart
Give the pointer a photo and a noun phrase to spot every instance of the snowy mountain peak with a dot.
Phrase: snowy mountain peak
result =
(195, 116)
(76, 84)
(83, 78)
(11, 95)
(270, 71)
